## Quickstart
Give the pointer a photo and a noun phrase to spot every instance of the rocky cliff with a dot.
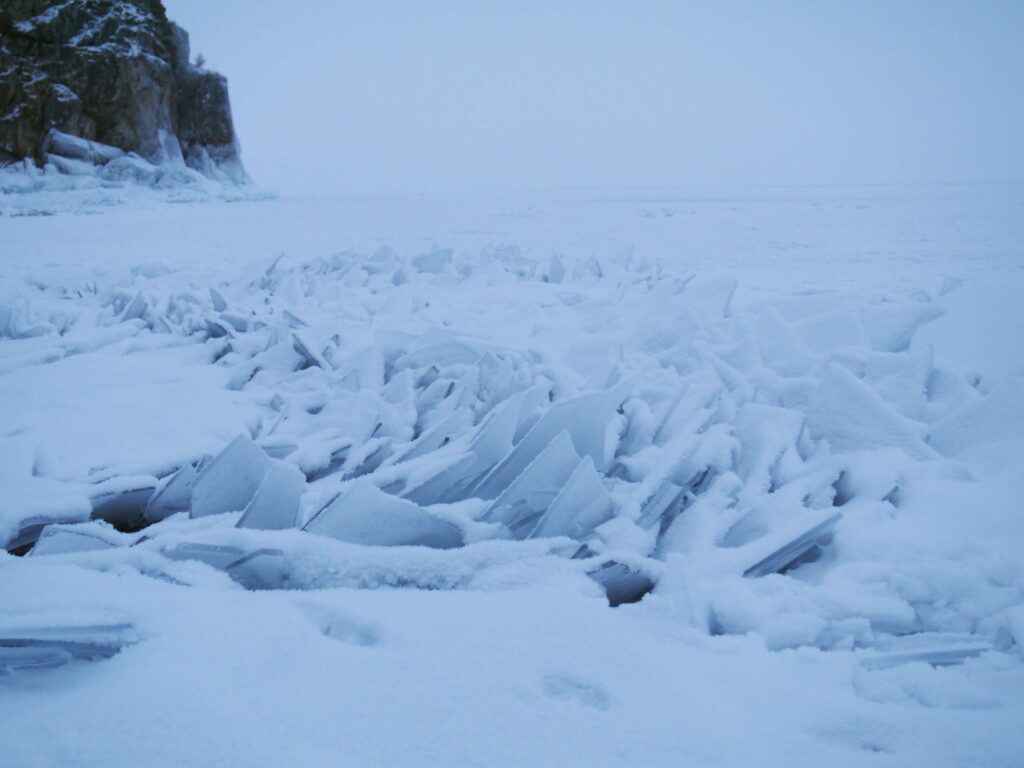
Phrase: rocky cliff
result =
(94, 80)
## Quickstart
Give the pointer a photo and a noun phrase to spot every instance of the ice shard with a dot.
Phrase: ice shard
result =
(229, 481)
(31, 528)
(173, 494)
(135, 309)
(61, 539)
(433, 262)
(303, 346)
(581, 505)
(438, 348)
(622, 583)
(440, 434)
(219, 304)
(660, 504)
(532, 492)
(492, 441)
(260, 569)
(794, 549)
(122, 501)
(364, 514)
(939, 649)
(276, 502)
(28, 648)
(584, 419)
(218, 556)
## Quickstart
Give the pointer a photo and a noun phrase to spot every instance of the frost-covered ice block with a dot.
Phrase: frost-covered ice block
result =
(173, 494)
(31, 528)
(219, 304)
(447, 485)
(851, 416)
(497, 434)
(216, 328)
(238, 322)
(293, 320)
(60, 539)
(218, 556)
(997, 416)
(304, 347)
(229, 481)
(660, 502)
(532, 492)
(335, 461)
(433, 262)
(440, 434)
(26, 648)
(936, 658)
(797, 547)
(581, 505)
(370, 460)
(382, 260)
(708, 297)
(622, 583)
(765, 433)
(260, 569)
(585, 419)
(276, 503)
(437, 348)
(122, 500)
(938, 649)
(890, 326)
(364, 514)
(278, 446)
(492, 441)
(840, 328)
(135, 309)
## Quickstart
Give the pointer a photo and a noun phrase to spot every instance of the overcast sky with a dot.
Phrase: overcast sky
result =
(337, 96)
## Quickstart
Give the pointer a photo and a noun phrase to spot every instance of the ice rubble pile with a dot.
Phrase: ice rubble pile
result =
(425, 417)
(81, 175)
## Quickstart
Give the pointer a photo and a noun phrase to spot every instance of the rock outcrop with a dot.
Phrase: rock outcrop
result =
(93, 80)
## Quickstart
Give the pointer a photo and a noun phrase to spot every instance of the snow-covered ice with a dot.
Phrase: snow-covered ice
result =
(355, 480)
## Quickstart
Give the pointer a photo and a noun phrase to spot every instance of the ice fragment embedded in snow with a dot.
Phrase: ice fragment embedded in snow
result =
(173, 494)
(584, 419)
(230, 480)
(260, 569)
(26, 648)
(581, 505)
(939, 649)
(135, 309)
(60, 539)
(525, 499)
(786, 554)
(276, 503)
(30, 529)
(433, 262)
(219, 556)
(364, 514)
(309, 354)
(219, 305)
(622, 583)
(121, 501)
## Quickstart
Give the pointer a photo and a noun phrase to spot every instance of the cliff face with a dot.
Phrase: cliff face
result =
(112, 72)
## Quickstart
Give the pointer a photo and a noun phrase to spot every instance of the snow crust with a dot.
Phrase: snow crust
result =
(368, 476)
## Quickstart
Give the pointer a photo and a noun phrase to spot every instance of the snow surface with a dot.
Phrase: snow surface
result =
(734, 377)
